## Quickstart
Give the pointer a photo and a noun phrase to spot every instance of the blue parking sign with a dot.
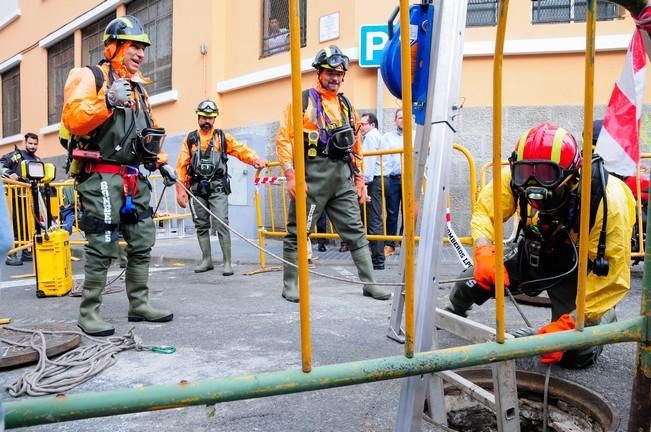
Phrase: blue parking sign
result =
(372, 39)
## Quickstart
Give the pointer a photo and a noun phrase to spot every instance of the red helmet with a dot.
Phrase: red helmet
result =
(546, 154)
(544, 158)
(547, 142)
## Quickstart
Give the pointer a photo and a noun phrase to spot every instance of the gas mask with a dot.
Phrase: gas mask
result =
(148, 144)
(340, 141)
(544, 184)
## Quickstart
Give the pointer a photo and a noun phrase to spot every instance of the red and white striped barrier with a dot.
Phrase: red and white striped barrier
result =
(268, 180)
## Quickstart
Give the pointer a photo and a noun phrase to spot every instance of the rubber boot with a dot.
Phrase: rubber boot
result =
(138, 293)
(14, 259)
(225, 244)
(290, 277)
(26, 255)
(460, 300)
(91, 299)
(362, 260)
(206, 254)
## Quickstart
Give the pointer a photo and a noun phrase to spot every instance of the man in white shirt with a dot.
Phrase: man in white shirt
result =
(393, 193)
(278, 39)
(372, 141)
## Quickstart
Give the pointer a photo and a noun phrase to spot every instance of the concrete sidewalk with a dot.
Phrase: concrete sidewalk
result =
(240, 325)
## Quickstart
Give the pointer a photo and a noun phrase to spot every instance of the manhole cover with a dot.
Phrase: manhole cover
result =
(571, 407)
(12, 355)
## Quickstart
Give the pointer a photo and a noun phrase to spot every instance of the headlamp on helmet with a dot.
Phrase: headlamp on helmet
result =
(126, 28)
(207, 108)
(331, 58)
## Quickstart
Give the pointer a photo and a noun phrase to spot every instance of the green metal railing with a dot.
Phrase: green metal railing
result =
(211, 391)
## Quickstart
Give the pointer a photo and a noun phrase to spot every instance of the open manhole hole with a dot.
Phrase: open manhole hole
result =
(571, 407)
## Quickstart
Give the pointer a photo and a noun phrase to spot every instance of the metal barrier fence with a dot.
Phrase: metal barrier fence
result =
(270, 178)
(169, 218)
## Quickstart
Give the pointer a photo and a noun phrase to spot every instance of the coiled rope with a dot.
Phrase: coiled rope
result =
(72, 368)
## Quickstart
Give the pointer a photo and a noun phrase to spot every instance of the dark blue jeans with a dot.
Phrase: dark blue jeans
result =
(322, 227)
(393, 196)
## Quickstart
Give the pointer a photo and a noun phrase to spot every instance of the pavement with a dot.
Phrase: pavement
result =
(240, 325)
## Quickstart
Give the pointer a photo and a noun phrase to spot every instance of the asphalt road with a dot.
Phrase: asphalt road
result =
(240, 325)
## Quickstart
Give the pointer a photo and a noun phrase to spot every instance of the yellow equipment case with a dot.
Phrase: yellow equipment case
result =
(52, 263)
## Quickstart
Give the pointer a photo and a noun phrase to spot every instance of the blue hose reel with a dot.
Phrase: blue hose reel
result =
(421, 19)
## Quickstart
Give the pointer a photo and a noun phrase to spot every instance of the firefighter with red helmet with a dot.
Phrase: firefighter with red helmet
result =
(542, 183)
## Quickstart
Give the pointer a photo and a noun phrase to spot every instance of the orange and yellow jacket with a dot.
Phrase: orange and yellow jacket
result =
(332, 107)
(233, 148)
(84, 108)
(602, 292)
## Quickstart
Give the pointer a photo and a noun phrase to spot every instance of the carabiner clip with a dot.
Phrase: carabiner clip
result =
(164, 349)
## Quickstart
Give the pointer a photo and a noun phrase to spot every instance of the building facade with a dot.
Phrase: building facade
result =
(236, 52)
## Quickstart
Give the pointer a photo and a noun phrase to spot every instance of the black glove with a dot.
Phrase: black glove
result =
(169, 175)
(119, 94)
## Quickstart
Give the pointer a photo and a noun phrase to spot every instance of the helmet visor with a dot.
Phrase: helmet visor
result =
(337, 60)
(543, 173)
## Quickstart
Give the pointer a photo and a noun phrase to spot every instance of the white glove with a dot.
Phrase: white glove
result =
(119, 94)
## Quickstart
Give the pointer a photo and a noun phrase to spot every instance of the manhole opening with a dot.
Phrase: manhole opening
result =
(467, 415)
(571, 407)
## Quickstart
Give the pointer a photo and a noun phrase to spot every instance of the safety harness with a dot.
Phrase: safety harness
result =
(544, 246)
(85, 156)
(210, 165)
(332, 141)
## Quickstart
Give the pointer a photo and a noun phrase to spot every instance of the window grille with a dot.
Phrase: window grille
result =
(482, 13)
(11, 102)
(92, 43)
(563, 11)
(275, 26)
(60, 59)
(156, 17)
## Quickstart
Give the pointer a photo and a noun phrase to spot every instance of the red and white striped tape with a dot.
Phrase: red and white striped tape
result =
(268, 180)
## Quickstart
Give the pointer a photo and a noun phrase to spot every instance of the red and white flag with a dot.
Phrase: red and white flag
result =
(619, 140)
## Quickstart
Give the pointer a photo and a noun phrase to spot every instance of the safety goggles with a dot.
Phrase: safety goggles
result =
(336, 60)
(208, 108)
(543, 173)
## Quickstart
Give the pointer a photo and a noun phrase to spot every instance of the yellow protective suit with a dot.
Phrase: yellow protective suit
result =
(602, 292)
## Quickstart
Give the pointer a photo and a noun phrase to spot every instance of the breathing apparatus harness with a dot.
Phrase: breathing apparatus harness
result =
(538, 238)
(332, 141)
(148, 142)
(209, 165)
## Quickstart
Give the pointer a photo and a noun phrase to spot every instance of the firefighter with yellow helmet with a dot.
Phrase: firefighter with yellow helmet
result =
(202, 167)
(107, 111)
(542, 182)
(333, 153)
